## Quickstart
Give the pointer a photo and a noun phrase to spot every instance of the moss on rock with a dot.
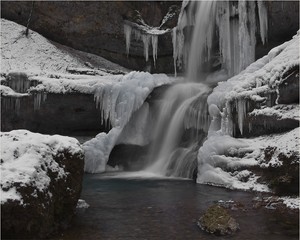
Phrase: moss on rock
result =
(217, 220)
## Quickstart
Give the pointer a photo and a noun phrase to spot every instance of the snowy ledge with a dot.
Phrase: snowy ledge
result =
(26, 160)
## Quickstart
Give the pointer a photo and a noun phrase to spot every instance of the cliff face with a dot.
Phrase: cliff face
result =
(97, 27)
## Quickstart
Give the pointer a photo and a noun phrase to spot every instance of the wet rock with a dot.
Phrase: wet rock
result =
(217, 220)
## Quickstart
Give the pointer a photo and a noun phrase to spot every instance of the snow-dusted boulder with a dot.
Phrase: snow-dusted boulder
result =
(41, 180)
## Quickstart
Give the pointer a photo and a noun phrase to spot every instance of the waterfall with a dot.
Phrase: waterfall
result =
(201, 44)
(184, 109)
(209, 36)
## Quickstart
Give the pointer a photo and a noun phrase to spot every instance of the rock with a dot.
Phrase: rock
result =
(289, 88)
(217, 220)
(73, 113)
(87, 26)
(282, 176)
(129, 157)
(40, 184)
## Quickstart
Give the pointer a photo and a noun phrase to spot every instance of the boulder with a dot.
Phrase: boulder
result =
(217, 220)
(41, 181)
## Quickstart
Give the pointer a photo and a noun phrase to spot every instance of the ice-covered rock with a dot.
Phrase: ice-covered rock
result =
(247, 105)
(41, 178)
(255, 87)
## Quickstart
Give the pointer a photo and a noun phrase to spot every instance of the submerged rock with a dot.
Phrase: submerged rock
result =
(41, 181)
(217, 220)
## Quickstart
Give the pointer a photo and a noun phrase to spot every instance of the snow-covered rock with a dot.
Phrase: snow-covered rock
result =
(41, 178)
(249, 105)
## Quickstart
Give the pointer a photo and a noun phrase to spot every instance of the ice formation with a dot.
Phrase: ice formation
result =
(146, 34)
(118, 97)
(118, 102)
(236, 28)
(255, 83)
(25, 157)
(221, 157)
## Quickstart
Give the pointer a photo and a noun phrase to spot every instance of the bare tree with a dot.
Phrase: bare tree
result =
(29, 19)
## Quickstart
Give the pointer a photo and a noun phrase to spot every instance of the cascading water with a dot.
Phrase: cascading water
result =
(184, 109)
(223, 38)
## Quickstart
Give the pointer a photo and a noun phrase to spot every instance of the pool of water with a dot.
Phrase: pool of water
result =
(136, 208)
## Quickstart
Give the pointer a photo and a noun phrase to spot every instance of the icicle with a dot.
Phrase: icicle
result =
(38, 98)
(154, 41)
(37, 101)
(17, 105)
(263, 21)
(175, 52)
(241, 111)
(247, 28)
(146, 41)
(223, 22)
(127, 32)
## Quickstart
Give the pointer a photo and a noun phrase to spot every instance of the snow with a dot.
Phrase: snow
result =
(82, 204)
(291, 202)
(280, 111)
(26, 157)
(222, 157)
(7, 91)
(19, 53)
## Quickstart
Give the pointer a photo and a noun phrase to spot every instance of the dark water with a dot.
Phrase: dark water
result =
(165, 209)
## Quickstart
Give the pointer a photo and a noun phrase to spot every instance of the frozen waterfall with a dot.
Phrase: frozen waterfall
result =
(231, 24)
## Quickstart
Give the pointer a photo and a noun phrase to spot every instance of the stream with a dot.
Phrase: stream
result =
(126, 207)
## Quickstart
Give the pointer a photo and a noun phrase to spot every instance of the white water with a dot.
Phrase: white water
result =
(183, 109)
(201, 45)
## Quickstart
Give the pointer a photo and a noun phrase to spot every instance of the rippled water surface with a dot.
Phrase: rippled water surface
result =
(135, 208)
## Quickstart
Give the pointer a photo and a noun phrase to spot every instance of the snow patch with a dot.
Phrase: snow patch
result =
(20, 53)
(25, 158)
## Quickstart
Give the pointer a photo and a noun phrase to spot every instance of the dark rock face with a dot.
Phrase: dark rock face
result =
(217, 220)
(73, 113)
(283, 24)
(97, 27)
(40, 216)
(129, 157)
